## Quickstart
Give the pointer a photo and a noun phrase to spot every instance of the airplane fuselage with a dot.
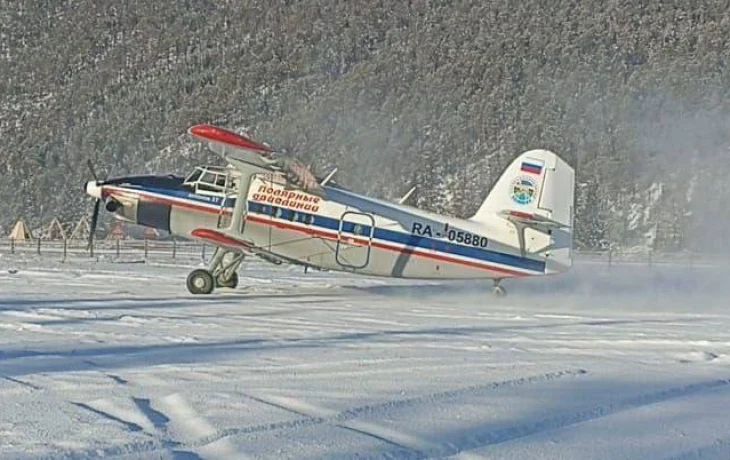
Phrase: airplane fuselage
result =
(341, 231)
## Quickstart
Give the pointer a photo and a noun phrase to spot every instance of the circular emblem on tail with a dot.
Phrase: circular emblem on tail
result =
(523, 190)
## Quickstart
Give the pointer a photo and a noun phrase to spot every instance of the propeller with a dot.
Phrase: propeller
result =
(97, 205)
(94, 220)
(90, 165)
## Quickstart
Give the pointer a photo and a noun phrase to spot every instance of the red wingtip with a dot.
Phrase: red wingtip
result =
(216, 134)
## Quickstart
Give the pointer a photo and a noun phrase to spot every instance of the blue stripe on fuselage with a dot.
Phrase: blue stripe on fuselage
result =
(392, 236)
(184, 194)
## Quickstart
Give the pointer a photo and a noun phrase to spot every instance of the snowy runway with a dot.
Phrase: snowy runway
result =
(117, 360)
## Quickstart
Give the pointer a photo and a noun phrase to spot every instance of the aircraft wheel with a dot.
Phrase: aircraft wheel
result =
(231, 282)
(499, 291)
(200, 282)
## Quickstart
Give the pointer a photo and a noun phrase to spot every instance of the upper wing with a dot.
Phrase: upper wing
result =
(233, 146)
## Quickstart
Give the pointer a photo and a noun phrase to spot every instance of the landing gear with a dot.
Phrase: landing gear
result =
(200, 282)
(231, 282)
(221, 272)
(498, 290)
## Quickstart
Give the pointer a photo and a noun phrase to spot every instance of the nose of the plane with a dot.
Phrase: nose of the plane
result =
(93, 189)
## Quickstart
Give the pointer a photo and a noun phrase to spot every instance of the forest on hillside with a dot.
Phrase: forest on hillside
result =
(434, 93)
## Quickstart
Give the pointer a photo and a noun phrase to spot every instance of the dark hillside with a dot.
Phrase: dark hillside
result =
(443, 94)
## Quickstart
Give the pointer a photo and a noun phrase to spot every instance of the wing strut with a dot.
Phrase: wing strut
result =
(328, 177)
(407, 195)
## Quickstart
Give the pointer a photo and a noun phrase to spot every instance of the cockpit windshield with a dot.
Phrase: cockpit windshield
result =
(213, 180)
(193, 177)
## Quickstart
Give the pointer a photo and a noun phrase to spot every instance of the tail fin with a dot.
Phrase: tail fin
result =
(535, 195)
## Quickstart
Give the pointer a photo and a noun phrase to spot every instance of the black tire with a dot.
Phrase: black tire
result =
(231, 282)
(200, 282)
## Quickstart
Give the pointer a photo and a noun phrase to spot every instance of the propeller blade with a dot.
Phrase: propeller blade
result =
(91, 168)
(94, 220)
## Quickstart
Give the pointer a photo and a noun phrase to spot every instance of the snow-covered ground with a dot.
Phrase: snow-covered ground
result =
(116, 360)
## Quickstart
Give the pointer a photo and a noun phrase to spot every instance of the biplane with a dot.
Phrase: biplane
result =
(267, 204)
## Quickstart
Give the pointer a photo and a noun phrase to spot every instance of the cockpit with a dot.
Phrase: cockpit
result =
(213, 180)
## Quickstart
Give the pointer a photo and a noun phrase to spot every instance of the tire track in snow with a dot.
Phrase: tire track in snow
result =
(192, 425)
(373, 370)
(132, 418)
(406, 442)
(155, 418)
(720, 448)
(399, 439)
(172, 410)
(123, 450)
(408, 445)
(22, 383)
(373, 409)
(215, 445)
(480, 440)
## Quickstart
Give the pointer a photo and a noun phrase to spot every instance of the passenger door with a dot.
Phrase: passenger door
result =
(354, 240)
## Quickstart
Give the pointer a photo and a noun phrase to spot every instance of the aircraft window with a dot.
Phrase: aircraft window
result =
(310, 219)
(208, 178)
(293, 216)
(357, 230)
(279, 212)
(194, 176)
(212, 179)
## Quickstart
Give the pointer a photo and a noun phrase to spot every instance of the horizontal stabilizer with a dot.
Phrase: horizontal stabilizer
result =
(535, 221)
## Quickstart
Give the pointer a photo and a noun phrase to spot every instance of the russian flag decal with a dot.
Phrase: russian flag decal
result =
(531, 167)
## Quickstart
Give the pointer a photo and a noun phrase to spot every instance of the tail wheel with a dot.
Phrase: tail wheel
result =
(231, 282)
(499, 291)
(200, 282)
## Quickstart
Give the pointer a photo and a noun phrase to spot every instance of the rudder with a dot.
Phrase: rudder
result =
(536, 191)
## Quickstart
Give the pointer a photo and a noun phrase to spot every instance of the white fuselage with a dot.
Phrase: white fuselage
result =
(342, 231)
